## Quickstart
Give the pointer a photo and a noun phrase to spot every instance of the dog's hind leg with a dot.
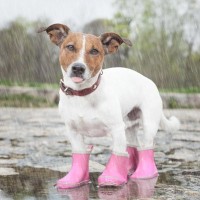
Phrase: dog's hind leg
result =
(146, 167)
(132, 144)
(132, 121)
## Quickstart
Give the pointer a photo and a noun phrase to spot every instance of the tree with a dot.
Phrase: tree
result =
(162, 49)
(26, 56)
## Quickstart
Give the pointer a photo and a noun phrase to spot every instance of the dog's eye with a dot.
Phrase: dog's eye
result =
(94, 51)
(70, 47)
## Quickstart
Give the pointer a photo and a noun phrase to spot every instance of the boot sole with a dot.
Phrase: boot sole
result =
(70, 186)
(143, 178)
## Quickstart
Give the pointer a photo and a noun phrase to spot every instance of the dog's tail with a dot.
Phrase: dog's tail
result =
(171, 124)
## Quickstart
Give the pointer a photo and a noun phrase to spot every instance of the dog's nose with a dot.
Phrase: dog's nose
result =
(78, 68)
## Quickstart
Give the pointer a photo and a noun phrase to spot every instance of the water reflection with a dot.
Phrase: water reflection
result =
(33, 183)
(4, 196)
(132, 190)
(79, 193)
(142, 188)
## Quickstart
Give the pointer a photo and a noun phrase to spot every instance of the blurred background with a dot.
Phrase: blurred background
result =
(165, 37)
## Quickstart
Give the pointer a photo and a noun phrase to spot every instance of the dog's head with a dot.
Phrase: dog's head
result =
(82, 55)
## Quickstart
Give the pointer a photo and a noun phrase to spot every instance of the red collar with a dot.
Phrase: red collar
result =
(84, 92)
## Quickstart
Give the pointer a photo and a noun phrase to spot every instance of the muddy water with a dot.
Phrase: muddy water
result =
(34, 153)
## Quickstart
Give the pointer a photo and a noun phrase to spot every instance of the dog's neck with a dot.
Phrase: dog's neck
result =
(80, 86)
(69, 91)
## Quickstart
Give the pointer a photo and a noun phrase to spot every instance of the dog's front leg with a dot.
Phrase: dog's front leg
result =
(115, 173)
(119, 139)
(76, 141)
(79, 172)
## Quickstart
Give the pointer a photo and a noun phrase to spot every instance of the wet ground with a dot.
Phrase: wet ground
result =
(34, 153)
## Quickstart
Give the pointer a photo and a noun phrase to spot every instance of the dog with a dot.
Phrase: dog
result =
(96, 102)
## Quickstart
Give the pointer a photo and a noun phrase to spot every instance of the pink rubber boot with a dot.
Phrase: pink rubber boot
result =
(79, 172)
(133, 159)
(116, 171)
(146, 165)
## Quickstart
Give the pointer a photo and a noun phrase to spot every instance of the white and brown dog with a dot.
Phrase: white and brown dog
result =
(116, 103)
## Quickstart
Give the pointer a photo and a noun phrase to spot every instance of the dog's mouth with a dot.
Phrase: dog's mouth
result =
(77, 79)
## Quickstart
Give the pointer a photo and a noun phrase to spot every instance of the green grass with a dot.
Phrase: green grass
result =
(24, 100)
(56, 86)
(173, 104)
(29, 84)
(191, 90)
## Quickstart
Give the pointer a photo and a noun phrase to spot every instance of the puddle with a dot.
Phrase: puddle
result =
(32, 183)
(38, 183)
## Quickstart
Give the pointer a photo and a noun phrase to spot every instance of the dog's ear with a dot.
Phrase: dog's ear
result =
(111, 42)
(56, 32)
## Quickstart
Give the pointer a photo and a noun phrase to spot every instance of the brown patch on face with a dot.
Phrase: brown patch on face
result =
(93, 61)
(67, 56)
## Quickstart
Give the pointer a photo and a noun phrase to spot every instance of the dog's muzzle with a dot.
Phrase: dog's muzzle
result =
(78, 69)
(77, 72)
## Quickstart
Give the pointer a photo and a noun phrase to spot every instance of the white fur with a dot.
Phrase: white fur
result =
(105, 111)
(171, 124)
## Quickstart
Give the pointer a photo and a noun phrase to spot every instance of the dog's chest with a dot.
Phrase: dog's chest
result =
(86, 118)
(89, 125)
